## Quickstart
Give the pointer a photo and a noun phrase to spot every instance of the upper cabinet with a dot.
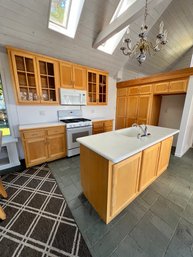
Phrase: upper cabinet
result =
(36, 78)
(97, 87)
(48, 75)
(72, 76)
(171, 87)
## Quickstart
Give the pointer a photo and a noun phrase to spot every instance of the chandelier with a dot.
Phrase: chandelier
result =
(143, 46)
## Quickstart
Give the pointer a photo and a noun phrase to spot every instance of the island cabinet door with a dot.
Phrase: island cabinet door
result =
(165, 151)
(125, 179)
(149, 166)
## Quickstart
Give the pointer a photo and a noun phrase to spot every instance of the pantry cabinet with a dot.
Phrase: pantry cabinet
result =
(73, 76)
(36, 78)
(44, 144)
(121, 108)
(138, 109)
(97, 87)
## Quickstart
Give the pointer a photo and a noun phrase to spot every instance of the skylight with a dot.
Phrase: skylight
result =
(110, 45)
(65, 15)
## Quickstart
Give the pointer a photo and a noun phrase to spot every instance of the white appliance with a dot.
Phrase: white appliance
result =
(76, 127)
(72, 97)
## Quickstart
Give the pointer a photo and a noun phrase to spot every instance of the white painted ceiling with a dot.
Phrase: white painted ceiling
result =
(23, 24)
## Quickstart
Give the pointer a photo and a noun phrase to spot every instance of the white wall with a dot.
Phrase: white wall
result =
(171, 112)
(185, 138)
(21, 114)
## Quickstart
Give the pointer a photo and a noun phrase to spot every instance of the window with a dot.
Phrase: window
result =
(65, 15)
(110, 45)
(4, 126)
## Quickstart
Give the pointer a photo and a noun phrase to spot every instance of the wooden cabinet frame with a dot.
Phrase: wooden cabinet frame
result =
(44, 144)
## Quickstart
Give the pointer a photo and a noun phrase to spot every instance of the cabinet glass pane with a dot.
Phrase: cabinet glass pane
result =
(20, 63)
(22, 79)
(50, 67)
(52, 95)
(31, 80)
(44, 81)
(32, 95)
(45, 95)
(51, 82)
(23, 94)
(29, 65)
(43, 69)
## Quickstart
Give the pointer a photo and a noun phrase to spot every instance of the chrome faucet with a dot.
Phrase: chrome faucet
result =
(143, 128)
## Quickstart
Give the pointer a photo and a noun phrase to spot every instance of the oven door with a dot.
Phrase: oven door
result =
(74, 133)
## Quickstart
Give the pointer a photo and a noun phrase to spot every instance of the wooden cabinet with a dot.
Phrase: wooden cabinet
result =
(144, 89)
(36, 78)
(121, 108)
(72, 76)
(165, 150)
(102, 126)
(125, 179)
(48, 75)
(149, 166)
(138, 109)
(110, 187)
(44, 144)
(97, 87)
(171, 87)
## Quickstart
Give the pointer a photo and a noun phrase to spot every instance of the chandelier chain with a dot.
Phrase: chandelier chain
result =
(146, 13)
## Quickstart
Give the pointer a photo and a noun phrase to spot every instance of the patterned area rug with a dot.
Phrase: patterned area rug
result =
(39, 222)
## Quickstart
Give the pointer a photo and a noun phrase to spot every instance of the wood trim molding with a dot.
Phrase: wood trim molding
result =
(184, 73)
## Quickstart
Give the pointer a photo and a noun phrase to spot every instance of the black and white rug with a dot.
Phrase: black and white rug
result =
(39, 222)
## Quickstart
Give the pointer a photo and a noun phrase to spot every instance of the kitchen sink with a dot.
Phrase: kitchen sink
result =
(129, 132)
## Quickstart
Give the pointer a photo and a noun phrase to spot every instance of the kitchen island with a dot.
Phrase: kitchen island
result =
(117, 166)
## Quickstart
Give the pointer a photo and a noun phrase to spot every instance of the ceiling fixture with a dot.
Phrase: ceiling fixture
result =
(143, 46)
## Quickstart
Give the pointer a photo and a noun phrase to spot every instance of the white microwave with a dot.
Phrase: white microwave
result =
(72, 97)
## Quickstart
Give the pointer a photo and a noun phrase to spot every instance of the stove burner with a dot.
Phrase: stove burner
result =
(74, 120)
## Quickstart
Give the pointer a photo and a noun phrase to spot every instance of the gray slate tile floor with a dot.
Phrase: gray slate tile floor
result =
(158, 223)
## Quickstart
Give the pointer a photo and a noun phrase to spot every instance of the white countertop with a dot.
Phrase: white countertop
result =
(41, 125)
(115, 146)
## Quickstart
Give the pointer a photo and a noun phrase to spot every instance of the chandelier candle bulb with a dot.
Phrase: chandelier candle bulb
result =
(144, 46)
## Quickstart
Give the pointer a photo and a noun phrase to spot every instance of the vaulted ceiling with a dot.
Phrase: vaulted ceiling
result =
(24, 24)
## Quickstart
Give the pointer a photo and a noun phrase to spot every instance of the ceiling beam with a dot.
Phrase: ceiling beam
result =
(135, 11)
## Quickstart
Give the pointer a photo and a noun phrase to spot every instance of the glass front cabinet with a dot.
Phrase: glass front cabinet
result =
(36, 78)
(97, 87)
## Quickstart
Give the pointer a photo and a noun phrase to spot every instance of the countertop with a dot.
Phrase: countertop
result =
(41, 125)
(101, 119)
(116, 147)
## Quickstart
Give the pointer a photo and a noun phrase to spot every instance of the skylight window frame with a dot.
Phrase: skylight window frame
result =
(111, 44)
(75, 11)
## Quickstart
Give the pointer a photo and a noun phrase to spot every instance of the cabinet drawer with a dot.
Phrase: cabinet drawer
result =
(55, 130)
(133, 90)
(97, 124)
(33, 133)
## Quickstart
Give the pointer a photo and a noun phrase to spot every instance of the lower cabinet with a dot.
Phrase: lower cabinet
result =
(125, 177)
(149, 166)
(44, 144)
(110, 187)
(165, 150)
(102, 126)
